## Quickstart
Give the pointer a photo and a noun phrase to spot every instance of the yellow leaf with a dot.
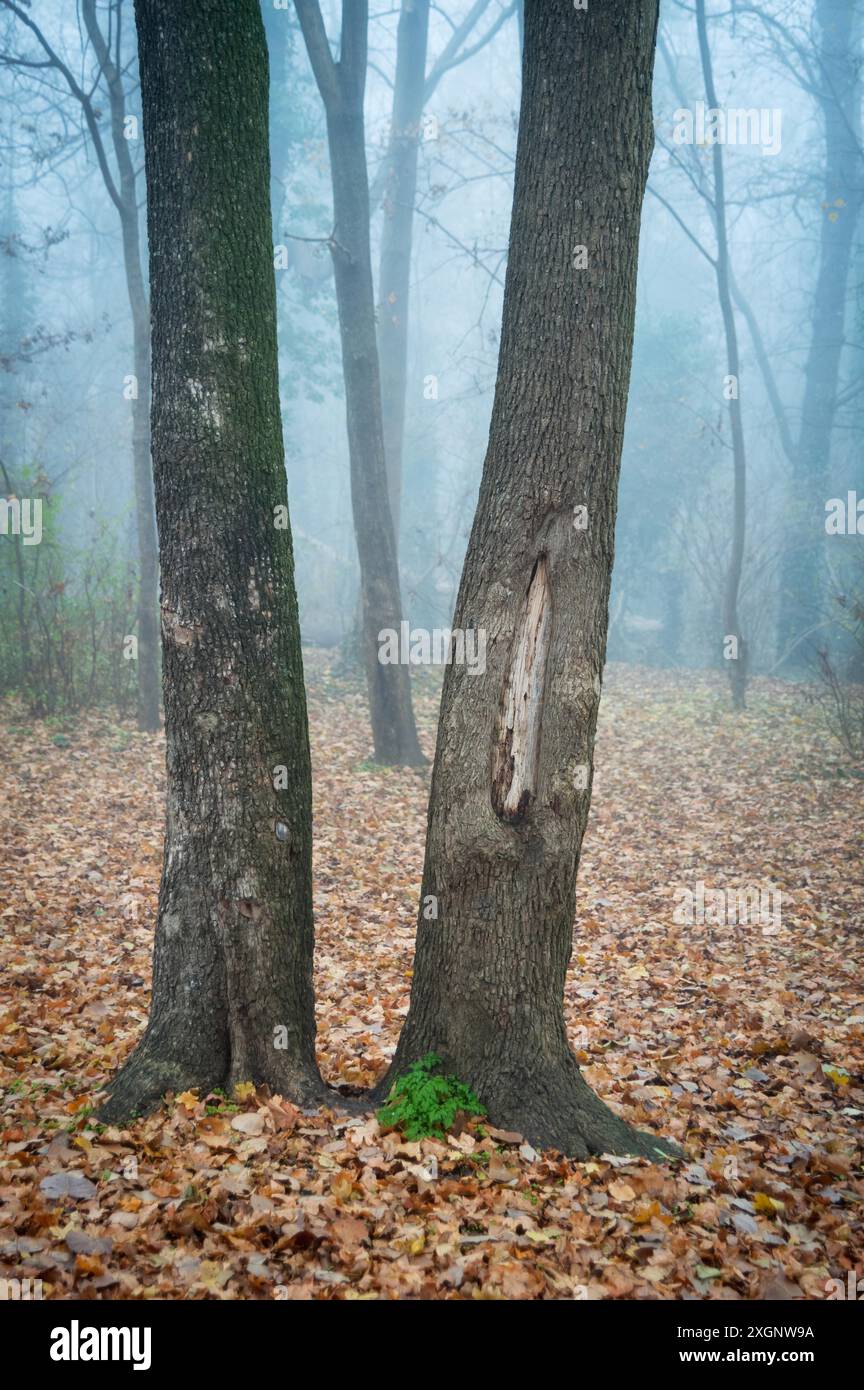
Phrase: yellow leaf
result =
(188, 1099)
(644, 1214)
(244, 1090)
(769, 1205)
(837, 1075)
(342, 1187)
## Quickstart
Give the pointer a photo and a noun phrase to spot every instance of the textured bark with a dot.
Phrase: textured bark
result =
(839, 64)
(342, 85)
(394, 279)
(489, 974)
(737, 666)
(233, 953)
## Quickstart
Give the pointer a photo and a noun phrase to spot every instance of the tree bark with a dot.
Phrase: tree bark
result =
(731, 623)
(232, 980)
(511, 781)
(394, 279)
(840, 99)
(342, 86)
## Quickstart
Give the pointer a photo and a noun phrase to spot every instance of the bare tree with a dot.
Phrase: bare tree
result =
(122, 190)
(342, 86)
(822, 58)
(734, 644)
(412, 90)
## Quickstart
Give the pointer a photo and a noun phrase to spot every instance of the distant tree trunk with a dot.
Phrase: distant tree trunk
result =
(396, 181)
(511, 782)
(24, 674)
(125, 200)
(232, 979)
(342, 85)
(145, 522)
(394, 278)
(737, 655)
(16, 307)
(840, 26)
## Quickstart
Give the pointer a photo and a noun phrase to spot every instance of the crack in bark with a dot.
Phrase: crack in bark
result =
(516, 743)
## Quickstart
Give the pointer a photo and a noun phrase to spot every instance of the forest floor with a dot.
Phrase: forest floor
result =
(745, 1044)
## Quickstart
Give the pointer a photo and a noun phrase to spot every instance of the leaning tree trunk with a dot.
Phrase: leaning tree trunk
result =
(394, 279)
(510, 791)
(232, 979)
(737, 653)
(145, 524)
(342, 86)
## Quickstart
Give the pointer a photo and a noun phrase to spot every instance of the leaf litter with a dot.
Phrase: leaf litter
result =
(745, 1047)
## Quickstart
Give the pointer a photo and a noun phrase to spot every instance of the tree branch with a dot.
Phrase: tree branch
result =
(318, 47)
(683, 225)
(78, 92)
(448, 58)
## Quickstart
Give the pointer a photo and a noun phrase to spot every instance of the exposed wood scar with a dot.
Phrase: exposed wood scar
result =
(516, 740)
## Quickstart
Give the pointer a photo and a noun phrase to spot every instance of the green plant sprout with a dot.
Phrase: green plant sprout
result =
(423, 1105)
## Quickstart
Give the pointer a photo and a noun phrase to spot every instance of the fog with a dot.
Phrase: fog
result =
(67, 349)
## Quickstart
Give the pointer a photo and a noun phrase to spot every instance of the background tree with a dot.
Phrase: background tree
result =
(511, 781)
(122, 190)
(342, 85)
(828, 66)
(397, 182)
(232, 979)
(737, 654)
(814, 44)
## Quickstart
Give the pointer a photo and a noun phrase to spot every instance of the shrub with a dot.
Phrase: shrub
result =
(65, 610)
(424, 1105)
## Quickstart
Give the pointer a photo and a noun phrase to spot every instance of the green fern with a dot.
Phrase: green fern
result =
(423, 1105)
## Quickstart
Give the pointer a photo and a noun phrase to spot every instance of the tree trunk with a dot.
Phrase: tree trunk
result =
(232, 980)
(511, 782)
(342, 85)
(840, 67)
(394, 280)
(148, 562)
(736, 655)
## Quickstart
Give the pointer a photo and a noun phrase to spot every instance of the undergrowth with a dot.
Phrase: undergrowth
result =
(424, 1105)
